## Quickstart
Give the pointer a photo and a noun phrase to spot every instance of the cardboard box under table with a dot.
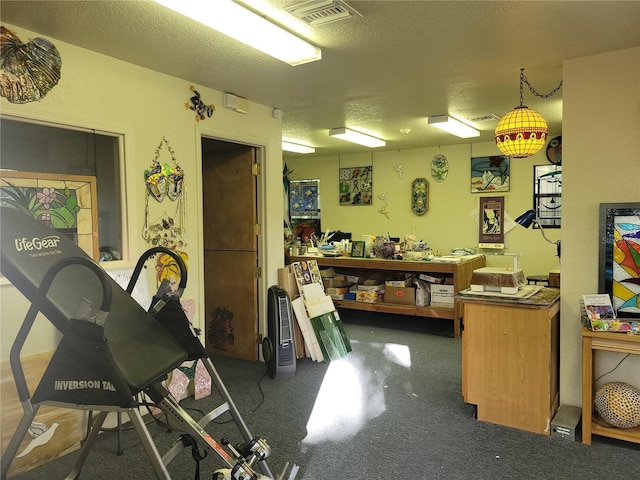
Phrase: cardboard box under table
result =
(442, 295)
(399, 280)
(370, 292)
(369, 296)
(400, 295)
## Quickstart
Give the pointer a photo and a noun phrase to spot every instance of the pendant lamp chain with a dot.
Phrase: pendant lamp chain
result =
(523, 79)
(522, 132)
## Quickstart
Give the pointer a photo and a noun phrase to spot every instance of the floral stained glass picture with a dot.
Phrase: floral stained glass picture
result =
(67, 203)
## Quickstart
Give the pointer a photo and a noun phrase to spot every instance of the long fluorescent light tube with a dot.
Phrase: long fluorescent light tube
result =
(356, 137)
(296, 147)
(453, 126)
(237, 22)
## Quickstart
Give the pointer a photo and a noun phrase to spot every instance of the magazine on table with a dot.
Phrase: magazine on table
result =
(598, 306)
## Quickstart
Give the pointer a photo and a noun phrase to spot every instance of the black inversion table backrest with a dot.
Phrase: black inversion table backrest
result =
(142, 350)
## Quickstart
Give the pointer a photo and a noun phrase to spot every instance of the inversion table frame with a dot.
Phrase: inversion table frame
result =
(167, 310)
(135, 353)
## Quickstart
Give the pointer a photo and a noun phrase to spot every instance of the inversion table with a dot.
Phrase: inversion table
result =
(111, 349)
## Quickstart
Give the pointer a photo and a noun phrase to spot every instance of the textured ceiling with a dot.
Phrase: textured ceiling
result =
(387, 71)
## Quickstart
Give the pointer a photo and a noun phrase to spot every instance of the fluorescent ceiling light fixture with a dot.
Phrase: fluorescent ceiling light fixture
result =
(288, 146)
(250, 28)
(356, 137)
(453, 126)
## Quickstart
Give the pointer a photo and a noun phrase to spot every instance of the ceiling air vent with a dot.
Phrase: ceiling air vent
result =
(485, 118)
(318, 13)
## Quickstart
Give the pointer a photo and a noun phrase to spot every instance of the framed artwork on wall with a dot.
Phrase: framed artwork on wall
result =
(619, 254)
(491, 222)
(67, 203)
(356, 185)
(304, 198)
(304, 208)
(490, 174)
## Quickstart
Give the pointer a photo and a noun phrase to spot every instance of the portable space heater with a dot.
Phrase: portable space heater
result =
(278, 348)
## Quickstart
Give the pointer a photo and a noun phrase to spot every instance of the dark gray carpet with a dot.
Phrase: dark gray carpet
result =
(392, 408)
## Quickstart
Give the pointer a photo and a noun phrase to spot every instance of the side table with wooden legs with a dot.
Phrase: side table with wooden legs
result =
(610, 342)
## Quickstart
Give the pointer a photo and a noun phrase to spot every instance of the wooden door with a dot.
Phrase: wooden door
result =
(230, 249)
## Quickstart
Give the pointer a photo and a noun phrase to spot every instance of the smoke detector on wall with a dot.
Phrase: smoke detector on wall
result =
(318, 13)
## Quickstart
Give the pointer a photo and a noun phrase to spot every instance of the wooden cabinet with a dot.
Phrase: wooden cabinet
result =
(459, 271)
(610, 342)
(510, 359)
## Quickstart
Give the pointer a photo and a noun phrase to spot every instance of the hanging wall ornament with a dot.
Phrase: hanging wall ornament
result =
(28, 71)
(439, 168)
(384, 209)
(175, 183)
(165, 232)
(197, 105)
(156, 180)
(164, 180)
(420, 196)
(554, 150)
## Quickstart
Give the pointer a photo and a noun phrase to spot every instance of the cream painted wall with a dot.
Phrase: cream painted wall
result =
(103, 93)
(449, 222)
(601, 164)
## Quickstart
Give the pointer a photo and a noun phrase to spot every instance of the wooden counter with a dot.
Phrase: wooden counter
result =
(510, 359)
(459, 271)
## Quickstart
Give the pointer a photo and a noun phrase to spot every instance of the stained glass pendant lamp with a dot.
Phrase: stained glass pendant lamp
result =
(522, 132)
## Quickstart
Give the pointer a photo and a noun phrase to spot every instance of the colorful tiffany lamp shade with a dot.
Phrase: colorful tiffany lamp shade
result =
(521, 132)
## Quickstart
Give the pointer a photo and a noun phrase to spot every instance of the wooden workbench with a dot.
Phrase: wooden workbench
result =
(458, 270)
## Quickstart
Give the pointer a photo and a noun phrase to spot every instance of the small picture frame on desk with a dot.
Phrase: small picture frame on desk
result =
(357, 249)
